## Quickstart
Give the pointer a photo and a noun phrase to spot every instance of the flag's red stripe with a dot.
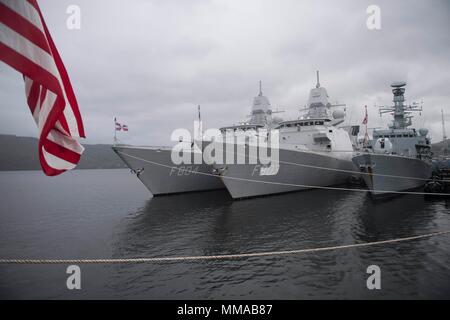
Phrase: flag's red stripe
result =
(63, 74)
(19, 24)
(29, 69)
(34, 4)
(42, 96)
(52, 117)
(64, 124)
(33, 97)
(61, 152)
(48, 170)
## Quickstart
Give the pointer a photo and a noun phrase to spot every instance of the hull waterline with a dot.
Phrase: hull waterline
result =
(155, 169)
(297, 171)
(391, 173)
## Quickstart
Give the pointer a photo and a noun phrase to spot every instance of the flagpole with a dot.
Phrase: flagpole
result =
(115, 131)
(366, 136)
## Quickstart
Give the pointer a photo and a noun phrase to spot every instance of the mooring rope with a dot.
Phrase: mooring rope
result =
(216, 257)
(283, 183)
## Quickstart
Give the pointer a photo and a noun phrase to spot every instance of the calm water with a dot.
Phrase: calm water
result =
(107, 213)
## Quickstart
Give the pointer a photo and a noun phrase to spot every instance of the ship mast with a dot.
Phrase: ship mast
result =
(445, 146)
(400, 111)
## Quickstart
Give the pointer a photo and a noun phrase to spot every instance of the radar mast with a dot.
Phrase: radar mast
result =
(400, 111)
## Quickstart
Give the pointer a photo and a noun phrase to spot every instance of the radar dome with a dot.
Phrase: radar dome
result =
(398, 84)
(338, 114)
(423, 132)
(277, 120)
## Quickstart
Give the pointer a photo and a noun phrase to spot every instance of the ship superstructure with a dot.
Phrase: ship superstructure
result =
(399, 157)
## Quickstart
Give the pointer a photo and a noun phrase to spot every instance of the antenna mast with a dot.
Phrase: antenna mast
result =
(400, 111)
(444, 135)
(318, 83)
(445, 144)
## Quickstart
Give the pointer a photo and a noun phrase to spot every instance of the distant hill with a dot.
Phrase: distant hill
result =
(438, 147)
(21, 153)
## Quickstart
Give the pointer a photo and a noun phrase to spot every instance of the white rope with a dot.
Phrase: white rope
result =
(282, 183)
(216, 257)
(338, 170)
(342, 170)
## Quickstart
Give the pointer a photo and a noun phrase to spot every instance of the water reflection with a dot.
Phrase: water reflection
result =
(211, 223)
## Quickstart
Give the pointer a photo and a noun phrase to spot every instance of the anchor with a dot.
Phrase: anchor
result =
(137, 172)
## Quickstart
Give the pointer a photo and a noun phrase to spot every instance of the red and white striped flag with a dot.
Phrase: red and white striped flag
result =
(366, 118)
(118, 125)
(26, 45)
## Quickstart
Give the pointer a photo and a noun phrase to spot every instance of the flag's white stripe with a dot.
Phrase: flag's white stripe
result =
(36, 115)
(32, 52)
(37, 109)
(70, 119)
(26, 10)
(28, 49)
(55, 162)
(46, 108)
(65, 141)
(59, 126)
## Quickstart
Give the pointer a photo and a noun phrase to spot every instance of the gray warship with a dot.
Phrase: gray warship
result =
(313, 152)
(397, 158)
(154, 167)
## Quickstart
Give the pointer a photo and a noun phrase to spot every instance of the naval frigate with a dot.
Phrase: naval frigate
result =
(397, 158)
(154, 167)
(312, 151)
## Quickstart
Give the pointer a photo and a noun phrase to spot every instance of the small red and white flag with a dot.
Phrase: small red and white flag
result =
(366, 118)
(26, 45)
(120, 127)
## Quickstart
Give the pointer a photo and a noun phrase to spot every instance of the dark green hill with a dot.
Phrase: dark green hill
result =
(21, 153)
(441, 147)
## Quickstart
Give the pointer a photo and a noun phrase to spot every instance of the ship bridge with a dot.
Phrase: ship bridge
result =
(401, 139)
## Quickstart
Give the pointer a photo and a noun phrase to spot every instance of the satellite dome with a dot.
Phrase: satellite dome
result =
(423, 132)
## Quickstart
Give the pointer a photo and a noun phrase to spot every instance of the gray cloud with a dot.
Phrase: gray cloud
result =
(151, 62)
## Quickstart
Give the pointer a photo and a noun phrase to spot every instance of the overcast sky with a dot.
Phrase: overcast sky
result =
(149, 63)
